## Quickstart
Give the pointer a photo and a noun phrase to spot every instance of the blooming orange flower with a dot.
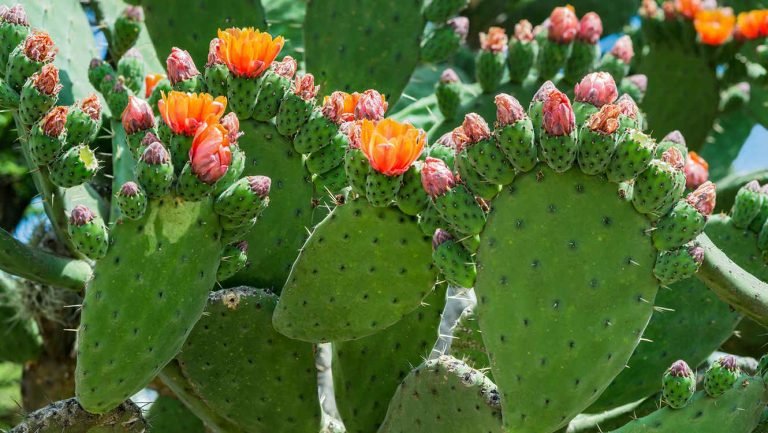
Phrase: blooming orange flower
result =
(714, 26)
(688, 8)
(391, 146)
(185, 112)
(210, 155)
(248, 52)
(150, 81)
(752, 24)
(340, 106)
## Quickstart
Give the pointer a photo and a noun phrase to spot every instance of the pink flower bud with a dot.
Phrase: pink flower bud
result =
(460, 26)
(628, 106)
(180, 66)
(728, 362)
(494, 41)
(697, 254)
(563, 25)
(47, 80)
(242, 246)
(92, 107)
(605, 121)
(210, 155)
(449, 76)
(440, 237)
(703, 198)
(81, 216)
(286, 68)
(304, 86)
(680, 369)
(15, 15)
(372, 105)
(590, 28)
(752, 186)
(231, 123)
(137, 116)
(260, 185)
(558, 118)
(352, 131)
(597, 88)
(670, 12)
(340, 106)
(675, 137)
(696, 170)
(524, 31)
(53, 122)
(623, 49)
(673, 157)
(39, 47)
(134, 13)
(475, 128)
(133, 53)
(213, 53)
(149, 138)
(155, 154)
(458, 139)
(508, 110)
(640, 81)
(436, 177)
(129, 189)
(543, 92)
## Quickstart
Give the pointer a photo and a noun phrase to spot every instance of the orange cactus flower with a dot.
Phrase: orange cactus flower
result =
(688, 8)
(340, 106)
(714, 26)
(390, 146)
(150, 81)
(185, 112)
(248, 52)
(752, 24)
(210, 155)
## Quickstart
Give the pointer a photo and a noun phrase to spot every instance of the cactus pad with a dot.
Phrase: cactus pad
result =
(360, 271)
(169, 415)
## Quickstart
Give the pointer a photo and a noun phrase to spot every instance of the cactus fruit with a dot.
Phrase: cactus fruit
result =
(39, 94)
(233, 259)
(154, 170)
(98, 70)
(617, 61)
(126, 30)
(514, 133)
(585, 51)
(678, 385)
(634, 151)
(598, 138)
(460, 209)
(297, 105)
(132, 201)
(411, 197)
(721, 376)
(440, 10)
(272, 88)
(490, 62)
(244, 199)
(559, 146)
(591, 93)
(28, 58)
(84, 120)
(523, 49)
(448, 93)
(131, 67)
(14, 28)
(88, 233)
(48, 136)
(747, 205)
(315, 134)
(443, 41)
(182, 72)
(453, 260)
(656, 187)
(556, 49)
(686, 220)
(678, 264)
(73, 167)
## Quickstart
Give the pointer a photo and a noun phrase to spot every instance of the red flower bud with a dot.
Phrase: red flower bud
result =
(697, 254)
(180, 66)
(449, 76)
(524, 31)
(623, 49)
(47, 80)
(286, 68)
(563, 25)
(680, 368)
(675, 137)
(590, 28)
(213, 53)
(210, 155)
(508, 110)
(597, 88)
(436, 177)
(543, 92)
(80, 216)
(54, 121)
(640, 81)
(92, 107)
(135, 13)
(559, 118)
(260, 185)
(155, 154)
(696, 170)
(231, 123)
(703, 198)
(628, 106)
(39, 47)
(674, 157)
(460, 26)
(14, 15)
(372, 105)
(129, 189)
(494, 41)
(149, 138)
(137, 116)
(304, 86)
(440, 237)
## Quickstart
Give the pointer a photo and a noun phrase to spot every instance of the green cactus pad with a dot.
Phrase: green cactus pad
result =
(360, 271)
(367, 371)
(456, 263)
(444, 395)
(382, 54)
(169, 415)
(121, 348)
(282, 229)
(740, 409)
(564, 271)
(231, 359)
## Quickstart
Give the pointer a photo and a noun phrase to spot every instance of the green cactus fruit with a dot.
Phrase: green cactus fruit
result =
(83, 126)
(634, 152)
(440, 44)
(9, 98)
(678, 264)
(459, 207)
(241, 95)
(747, 205)
(34, 103)
(47, 137)
(216, 77)
(233, 259)
(68, 415)
(673, 139)
(721, 376)
(323, 285)
(581, 61)
(517, 142)
(169, 415)
(453, 260)
(131, 200)
(179, 147)
(490, 162)
(131, 67)
(293, 113)
(441, 151)
(315, 134)
(117, 96)
(489, 70)
(740, 408)
(250, 389)
(244, 199)
(576, 247)
(329, 157)
(272, 89)
(614, 66)
(162, 86)
(331, 183)
(658, 187)
(237, 234)
(97, 70)
(126, 30)
(356, 167)
(382, 359)
(107, 83)
(559, 151)
(428, 399)
(678, 385)
(132, 291)
(552, 57)
(439, 11)
(521, 59)
(73, 167)
(758, 221)
(596, 148)
(380, 189)
(14, 28)
(679, 226)
(448, 94)
(472, 179)
(558, 140)
(583, 111)
(155, 171)
(535, 108)
(411, 197)
(20, 67)
(190, 187)
(88, 233)
(430, 220)
(235, 170)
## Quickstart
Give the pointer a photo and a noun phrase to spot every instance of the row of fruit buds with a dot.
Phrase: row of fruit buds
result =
(679, 381)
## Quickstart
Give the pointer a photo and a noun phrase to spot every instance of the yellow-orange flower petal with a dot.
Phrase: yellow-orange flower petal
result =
(390, 146)
(185, 112)
(150, 81)
(752, 24)
(248, 52)
(340, 106)
(688, 8)
(714, 26)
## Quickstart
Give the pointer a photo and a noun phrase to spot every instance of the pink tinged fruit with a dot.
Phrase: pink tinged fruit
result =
(440, 237)
(597, 88)
(494, 41)
(14, 15)
(260, 185)
(675, 137)
(640, 81)
(524, 31)
(213, 53)
(304, 86)
(92, 107)
(623, 49)
(436, 177)
(180, 66)
(135, 13)
(371, 106)
(80, 216)
(543, 92)
(558, 118)
(129, 189)
(285, 68)
(210, 155)
(696, 170)
(697, 253)
(155, 154)
(752, 186)
(703, 198)
(47, 80)
(449, 76)
(149, 138)
(729, 362)
(231, 123)
(674, 157)
(137, 116)
(475, 128)
(680, 369)
(508, 110)
(54, 121)
(628, 106)
(352, 131)
(590, 28)
(460, 26)
(563, 25)
(39, 47)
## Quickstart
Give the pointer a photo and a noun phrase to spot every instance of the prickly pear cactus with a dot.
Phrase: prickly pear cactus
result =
(169, 415)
